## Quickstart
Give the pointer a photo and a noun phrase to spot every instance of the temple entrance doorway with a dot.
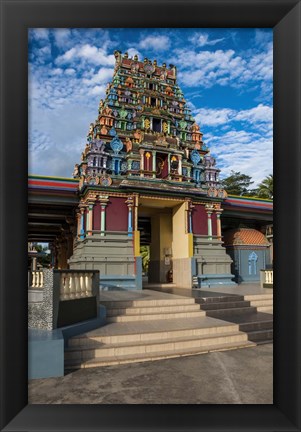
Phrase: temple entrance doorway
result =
(161, 223)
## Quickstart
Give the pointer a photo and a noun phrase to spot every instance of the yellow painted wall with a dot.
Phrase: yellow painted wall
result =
(181, 245)
(155, 238)
(165, 234)
(161, 235)
(136, 243)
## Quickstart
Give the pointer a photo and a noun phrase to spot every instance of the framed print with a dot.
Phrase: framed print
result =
(20, 16)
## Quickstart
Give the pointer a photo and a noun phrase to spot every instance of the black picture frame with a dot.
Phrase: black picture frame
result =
(16, 17)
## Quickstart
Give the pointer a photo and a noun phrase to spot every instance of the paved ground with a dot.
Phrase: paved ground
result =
(213, 291)
(243, 376)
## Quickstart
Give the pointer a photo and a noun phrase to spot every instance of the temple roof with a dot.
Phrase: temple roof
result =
(244, 236)
(145, 131)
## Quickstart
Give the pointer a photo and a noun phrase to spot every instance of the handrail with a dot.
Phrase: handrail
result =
(36, 279)
(266, 277)
(75, 285)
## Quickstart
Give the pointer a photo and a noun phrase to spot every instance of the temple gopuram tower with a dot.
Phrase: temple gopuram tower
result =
(146, 178)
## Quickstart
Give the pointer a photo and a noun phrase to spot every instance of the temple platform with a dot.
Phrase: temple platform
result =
(245, 289)
(149, 325)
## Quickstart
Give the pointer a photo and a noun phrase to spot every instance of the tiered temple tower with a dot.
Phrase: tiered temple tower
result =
(145, 165)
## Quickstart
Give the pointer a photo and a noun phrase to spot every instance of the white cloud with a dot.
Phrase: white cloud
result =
(213, 117)
(46, 50)
(203, 39)
(260, 114)
(102, 76)
(62, 37)
(56, 71)
(86, 52)
(248, 149)
(223, 67)
(155, 42)
(260, 117)
(98, 90)
(262, 37)
(208, 68)
(66, 57)
(70, 71)
(240, 150)
(54, 150)
(40, 33)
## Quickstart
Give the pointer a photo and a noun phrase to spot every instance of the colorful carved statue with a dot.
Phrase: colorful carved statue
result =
(87, 149)
(147, 124)
(75, 171)
(128, 144)
(138, 135)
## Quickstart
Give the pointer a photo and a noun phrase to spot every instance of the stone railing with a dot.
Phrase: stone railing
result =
(75, 285)
(35, 279)
(266, 278)
(46, 310)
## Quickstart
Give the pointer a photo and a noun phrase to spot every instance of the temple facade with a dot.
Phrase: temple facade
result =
(146, 179)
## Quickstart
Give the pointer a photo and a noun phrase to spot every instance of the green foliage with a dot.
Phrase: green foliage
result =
(44, 260)
(265, 188)
(237, 184)
(145, 254)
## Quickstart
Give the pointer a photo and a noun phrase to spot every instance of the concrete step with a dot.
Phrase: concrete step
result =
(156, 316)
(99, 350)
(225, 305)
(267, 309)
(190, 327)
(250, 297)
(152, 309)
(250, 327)
(220, 313)
(219, 344)
(263, 336)
(123, 304)
(219, 299)
(264, 302)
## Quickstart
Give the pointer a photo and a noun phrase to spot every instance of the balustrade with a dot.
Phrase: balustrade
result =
(75, 285)
(266, 278)
(36, 279)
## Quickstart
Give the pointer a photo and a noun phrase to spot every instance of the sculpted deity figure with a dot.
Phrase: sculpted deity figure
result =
(138, 135)
(76, 171)
(100, 106)
(84, 169)
(163, 75)
(87, 149)
(128, 144)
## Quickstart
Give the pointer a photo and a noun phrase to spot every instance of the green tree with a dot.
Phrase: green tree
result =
(44, 259)
(238, 184)
(145, 254)
(265, 188)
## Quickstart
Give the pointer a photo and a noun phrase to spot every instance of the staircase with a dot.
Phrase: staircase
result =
(144, 310)
(152, 329)
(225, 305)
(262, 302)
(246, 311)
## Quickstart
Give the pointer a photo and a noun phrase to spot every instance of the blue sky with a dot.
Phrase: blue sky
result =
(226, 76)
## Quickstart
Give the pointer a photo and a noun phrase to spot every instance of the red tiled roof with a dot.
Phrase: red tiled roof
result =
(245, 236)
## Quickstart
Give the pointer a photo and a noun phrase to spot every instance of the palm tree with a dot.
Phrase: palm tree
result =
(145, 254)
(265, 188)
